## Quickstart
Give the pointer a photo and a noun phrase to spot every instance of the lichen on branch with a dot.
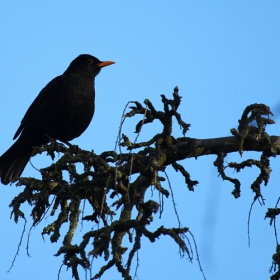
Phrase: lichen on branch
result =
(119, 205)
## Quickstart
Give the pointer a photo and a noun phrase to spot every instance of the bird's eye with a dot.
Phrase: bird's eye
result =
(90, 61)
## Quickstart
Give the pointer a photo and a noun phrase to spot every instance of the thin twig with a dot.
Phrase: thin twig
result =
(197, 255)
(137, 266)
(84, 205)
(173, 199)
(59, 271)
(20, 242)
(274, 222)
(248, 222)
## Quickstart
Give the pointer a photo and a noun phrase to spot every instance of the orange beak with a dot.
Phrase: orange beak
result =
(105, 63)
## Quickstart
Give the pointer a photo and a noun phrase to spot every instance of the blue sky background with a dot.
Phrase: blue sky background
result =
(223, 55)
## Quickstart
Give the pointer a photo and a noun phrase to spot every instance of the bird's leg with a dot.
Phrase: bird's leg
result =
(74, 149)
(53, 147)
(67, 143)
(52, 140)
(54, 143)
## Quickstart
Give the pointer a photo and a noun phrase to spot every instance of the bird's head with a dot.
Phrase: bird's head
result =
(87, 64)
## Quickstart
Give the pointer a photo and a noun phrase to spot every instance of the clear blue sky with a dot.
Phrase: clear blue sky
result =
(223, 55)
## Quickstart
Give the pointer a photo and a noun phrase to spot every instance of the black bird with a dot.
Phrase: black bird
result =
(62, 111)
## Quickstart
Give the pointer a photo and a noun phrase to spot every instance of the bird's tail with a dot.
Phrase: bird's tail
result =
(13, 162)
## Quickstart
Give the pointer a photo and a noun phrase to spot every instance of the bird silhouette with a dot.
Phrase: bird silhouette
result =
(62, 111)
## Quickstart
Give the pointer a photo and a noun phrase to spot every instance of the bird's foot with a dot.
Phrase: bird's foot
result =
(74, 149)
(54, 147)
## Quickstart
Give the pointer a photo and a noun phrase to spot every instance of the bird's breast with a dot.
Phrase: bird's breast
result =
(79, 109)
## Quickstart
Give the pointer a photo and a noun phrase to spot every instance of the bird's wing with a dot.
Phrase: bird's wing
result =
(43, 96)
